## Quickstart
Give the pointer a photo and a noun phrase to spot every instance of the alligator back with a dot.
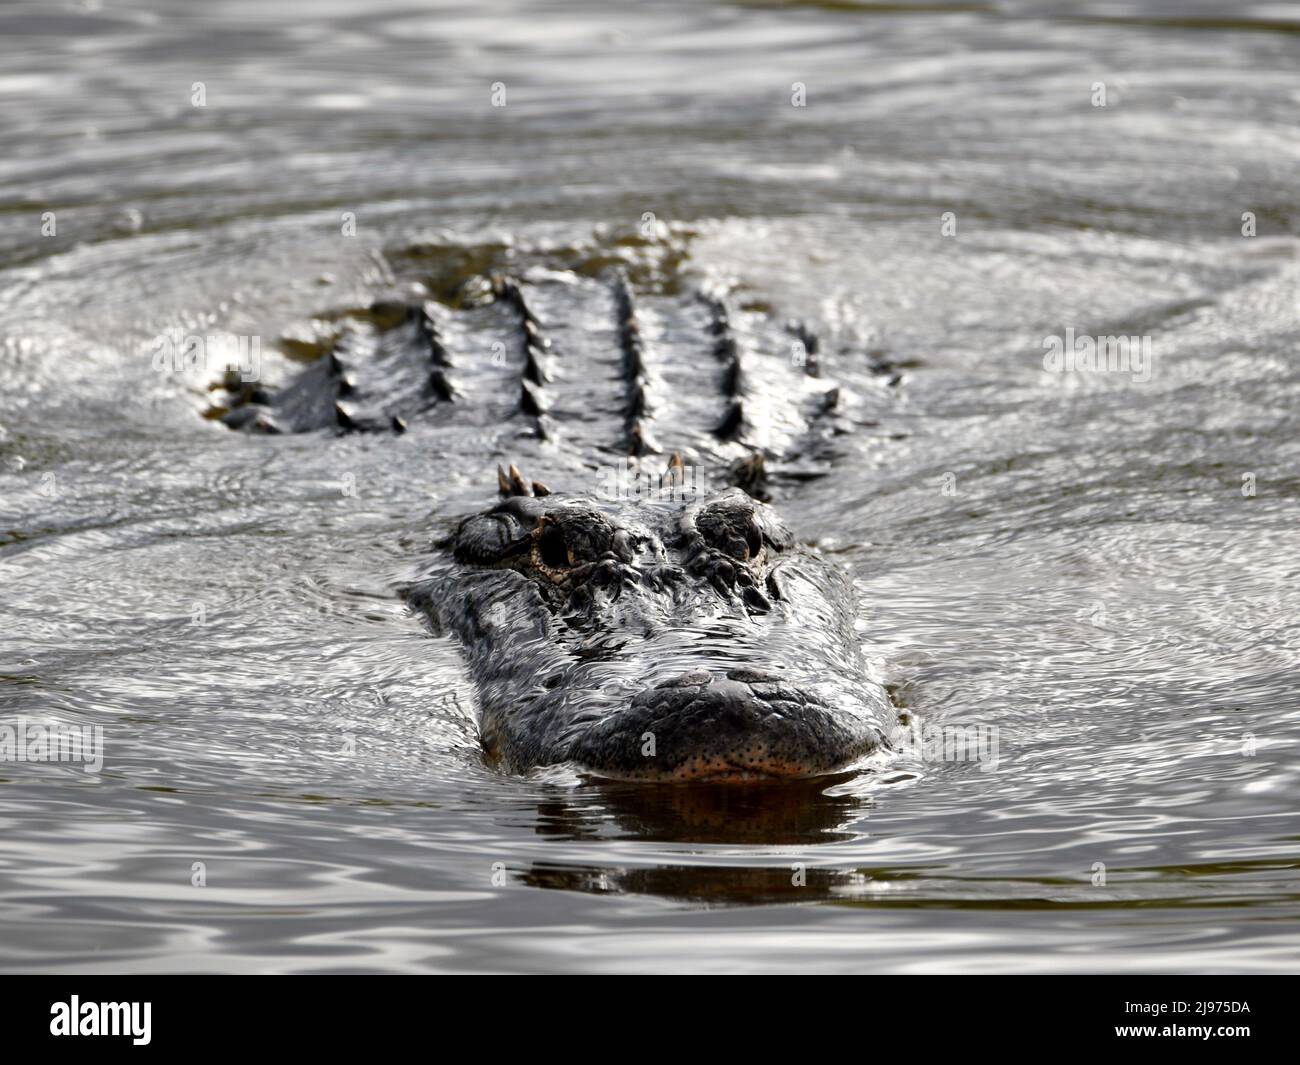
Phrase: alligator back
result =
(599, 367)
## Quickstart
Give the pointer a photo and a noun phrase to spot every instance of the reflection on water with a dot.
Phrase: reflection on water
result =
(1102, 569)
(805, 812)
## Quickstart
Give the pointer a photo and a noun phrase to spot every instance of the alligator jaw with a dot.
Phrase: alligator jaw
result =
(744, 727)
(720, 771)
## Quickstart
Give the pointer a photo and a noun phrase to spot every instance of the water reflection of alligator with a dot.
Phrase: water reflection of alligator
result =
(650, 628)
(797, 817)
(789, 814)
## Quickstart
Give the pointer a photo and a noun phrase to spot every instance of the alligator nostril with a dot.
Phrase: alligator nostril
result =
(694, 679)
(752, 676)
(552, 549)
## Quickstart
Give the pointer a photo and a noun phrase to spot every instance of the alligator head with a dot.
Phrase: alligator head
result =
(689, 639)
(686, 639)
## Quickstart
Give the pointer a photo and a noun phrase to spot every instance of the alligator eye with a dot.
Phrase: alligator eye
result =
(551, 548)
(733, 528)
(737, 548)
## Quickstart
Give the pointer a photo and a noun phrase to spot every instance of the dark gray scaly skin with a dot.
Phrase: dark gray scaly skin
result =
(682, 636)
(674, 640)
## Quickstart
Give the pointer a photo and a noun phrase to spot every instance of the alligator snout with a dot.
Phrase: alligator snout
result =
(741, 725)
(680, 640)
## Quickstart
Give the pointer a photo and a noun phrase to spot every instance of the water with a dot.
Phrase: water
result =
(1071, 558)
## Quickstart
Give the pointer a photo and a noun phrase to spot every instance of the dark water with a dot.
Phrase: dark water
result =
(1074, 559)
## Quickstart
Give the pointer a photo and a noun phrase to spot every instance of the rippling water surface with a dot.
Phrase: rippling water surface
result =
(1075, 559)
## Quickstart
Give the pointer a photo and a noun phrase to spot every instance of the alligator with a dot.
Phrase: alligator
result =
(657, 620)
